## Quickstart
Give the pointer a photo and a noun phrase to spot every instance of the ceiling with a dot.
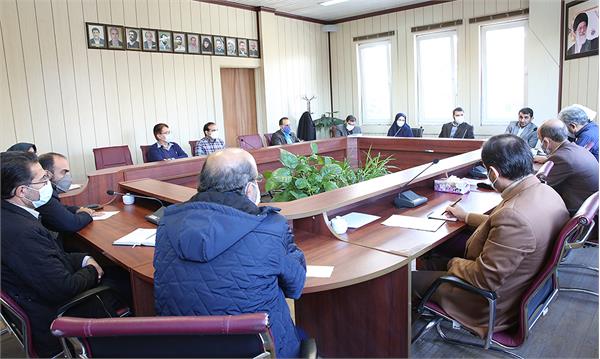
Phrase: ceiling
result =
(313, 9)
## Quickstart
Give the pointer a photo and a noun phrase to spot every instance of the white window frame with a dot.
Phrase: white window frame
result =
(373, 43)
(483, 80)
(427, 36)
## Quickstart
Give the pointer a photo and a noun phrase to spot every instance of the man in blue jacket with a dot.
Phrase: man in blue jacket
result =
(219, 253)
(581, 127)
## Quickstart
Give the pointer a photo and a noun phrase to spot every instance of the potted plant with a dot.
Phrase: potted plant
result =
(326, 121)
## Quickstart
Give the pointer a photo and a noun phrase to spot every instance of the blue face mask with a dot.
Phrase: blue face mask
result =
(287, 130)
(45, 195)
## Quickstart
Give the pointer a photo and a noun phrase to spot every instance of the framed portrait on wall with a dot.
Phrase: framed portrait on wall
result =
(219, 45)
(242, 47)
(231, 46)
(193, 42)
(207, 44)
(96, 36)
(149, 43)
(115, 37)
(179, 42)
(253, 48)
(165, 41)
(133, 39)
(581, 29)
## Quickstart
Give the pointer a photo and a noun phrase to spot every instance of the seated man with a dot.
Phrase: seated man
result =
(524, 127)
(284, 135)
(36, 272)
(348, 128)
(575, 172)
(56, 216)
(510, 245)
(210, 142)
(237, 257)
(164, 149)
(458, 128)
(581, 127)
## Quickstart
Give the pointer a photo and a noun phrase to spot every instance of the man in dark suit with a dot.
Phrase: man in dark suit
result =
(36, 272)
(348, 128)
(457, 128)
(524, 127)
(284, 135)
(96, 40)
(575, 172)
(55, 215)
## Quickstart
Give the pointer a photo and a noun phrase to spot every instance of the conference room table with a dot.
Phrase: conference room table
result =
(363, 308)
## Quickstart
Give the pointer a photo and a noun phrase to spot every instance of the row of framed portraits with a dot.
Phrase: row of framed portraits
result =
(117, 37)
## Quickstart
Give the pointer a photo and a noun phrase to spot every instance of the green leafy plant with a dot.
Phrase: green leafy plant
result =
(327, 120)
(303, 176)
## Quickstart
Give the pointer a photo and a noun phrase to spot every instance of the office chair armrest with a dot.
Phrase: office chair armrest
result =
(455, 281)
(80, 298)
(308, 349)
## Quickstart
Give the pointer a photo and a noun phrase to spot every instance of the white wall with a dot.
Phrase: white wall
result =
(542, 58)
(66, 98)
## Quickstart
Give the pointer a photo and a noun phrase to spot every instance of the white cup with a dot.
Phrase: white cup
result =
(339, 225)
(128, 199)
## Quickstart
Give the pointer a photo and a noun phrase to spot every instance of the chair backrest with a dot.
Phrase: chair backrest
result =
(417, 132)
(113, 156)
(145, 149)
(233, 336)
(18, 322)
(544, 171)
(193, 144)
(250, 142)
(268, 138)
(545, 285)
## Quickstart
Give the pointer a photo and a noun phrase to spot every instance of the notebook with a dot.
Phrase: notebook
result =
(139, 237)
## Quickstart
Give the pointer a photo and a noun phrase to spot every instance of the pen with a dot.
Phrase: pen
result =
(452, 205)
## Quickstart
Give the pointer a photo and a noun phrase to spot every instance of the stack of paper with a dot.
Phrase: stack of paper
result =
(319, 271)
(139, 237)
(104, 215)
(421, 224)
(357, 220)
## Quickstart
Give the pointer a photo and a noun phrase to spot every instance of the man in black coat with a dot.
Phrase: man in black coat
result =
(36, 272)
(55, 215)
(457, 128)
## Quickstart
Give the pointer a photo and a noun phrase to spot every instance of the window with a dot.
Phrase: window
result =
(503, 72)
(436, 76)
(374, 76)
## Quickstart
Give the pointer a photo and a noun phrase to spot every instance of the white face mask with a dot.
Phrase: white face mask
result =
(214, 134)
(493, 183)
(256, 190)
(45, 193)
(168, 137)
(400, 123)
(459, 119)
(350, 127)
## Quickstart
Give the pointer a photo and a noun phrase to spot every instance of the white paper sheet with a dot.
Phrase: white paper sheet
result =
(106, 215)
(357, 220)
(139, 237)
(74, 186)
(319, 271)
(421, 224)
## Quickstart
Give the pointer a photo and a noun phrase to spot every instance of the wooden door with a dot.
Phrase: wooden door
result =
(239, 104)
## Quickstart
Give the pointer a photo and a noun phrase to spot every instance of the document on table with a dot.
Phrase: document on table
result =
(139, 237)
(319, 271)
(357, 220)
(105, 215)
(421, 224)
(74, 186)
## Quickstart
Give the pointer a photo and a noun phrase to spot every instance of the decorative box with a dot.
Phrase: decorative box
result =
(451, 184)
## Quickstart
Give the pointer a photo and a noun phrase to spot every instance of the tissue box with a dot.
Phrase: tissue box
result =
(451, 185)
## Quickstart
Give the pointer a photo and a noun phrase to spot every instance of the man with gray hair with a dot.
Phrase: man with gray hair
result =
(222, 254)
(575, 172)
(581, 127)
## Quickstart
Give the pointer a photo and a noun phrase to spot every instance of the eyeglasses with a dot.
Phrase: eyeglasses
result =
(44, 180)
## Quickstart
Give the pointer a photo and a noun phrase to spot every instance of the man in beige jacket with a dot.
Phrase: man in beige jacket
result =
(509, 246)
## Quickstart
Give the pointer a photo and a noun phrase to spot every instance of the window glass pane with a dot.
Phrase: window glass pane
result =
(503, 72)
(374, 81)
(436, 76)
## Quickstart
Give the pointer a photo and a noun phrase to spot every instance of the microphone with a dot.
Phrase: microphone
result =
(153, 217)
(248, 144)
(409, 199)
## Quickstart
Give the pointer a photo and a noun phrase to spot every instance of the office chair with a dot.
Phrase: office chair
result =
(250, 142)
(585, 215)
(544, 171)
(534, 302)
(233, 336)
(193, 144)
(145, 149)
(268, 138)
(113, 156)
(417, 132)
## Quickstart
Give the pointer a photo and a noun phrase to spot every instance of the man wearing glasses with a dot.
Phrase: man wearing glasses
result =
(210, 142)
(36, 272)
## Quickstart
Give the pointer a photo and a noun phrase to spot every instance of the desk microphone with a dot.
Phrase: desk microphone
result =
(248, 144)
(153, 217)
(409, 199)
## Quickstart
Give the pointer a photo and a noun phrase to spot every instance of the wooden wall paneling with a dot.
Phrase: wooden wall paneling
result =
(210, 101)
(478, 7)
(573, 81)
(33, 74)
(472, 64)
(514, 5)
(524, 4)
(215, 20)
(593, 83)
(428, 15)
(438, 12)
(464, 43)
(325, 70)
(401, 79)
(352, 73)
(582, 81)
(411, 83)
(447, 11)
(17, 79)
(418, 16)
(6, 111)
(337, 60)
(501, 6)
(65, 129)
(253, 25)
(179, 80)
(334, 41)
(490, 7)
(200, 17)
(565, 83)
(376, 29)
(457, 9)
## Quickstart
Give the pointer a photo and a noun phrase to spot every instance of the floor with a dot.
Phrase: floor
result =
(569, 329)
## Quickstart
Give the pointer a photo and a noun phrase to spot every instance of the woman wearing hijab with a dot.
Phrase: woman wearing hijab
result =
(400, 128)
(23, 146)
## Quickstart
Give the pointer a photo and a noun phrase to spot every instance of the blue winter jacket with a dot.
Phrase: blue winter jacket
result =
(221, 254)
